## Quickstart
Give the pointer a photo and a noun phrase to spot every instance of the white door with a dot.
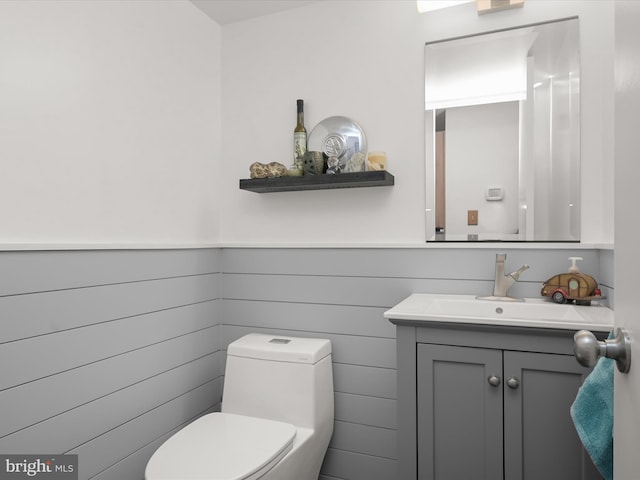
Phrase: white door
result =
(627, 236)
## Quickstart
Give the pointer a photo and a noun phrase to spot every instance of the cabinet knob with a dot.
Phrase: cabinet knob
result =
(494, 380)
(513, 382)
(587, 348)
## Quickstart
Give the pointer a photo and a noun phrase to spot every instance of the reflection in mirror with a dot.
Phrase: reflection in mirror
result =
(502, 120)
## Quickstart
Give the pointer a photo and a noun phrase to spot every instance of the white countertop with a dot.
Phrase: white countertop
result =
(532, 313)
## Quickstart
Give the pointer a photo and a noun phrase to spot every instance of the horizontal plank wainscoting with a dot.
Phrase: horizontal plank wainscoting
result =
(105, 353)
(341, 294)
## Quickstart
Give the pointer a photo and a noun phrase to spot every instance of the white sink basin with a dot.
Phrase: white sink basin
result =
(533, 312)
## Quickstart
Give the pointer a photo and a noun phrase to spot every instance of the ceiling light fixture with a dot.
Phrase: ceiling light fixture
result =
(429, 5)
(490, 6)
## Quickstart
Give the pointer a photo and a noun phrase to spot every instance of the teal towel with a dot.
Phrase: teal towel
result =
(592, 413)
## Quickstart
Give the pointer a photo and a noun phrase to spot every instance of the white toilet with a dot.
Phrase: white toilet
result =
(276, 419)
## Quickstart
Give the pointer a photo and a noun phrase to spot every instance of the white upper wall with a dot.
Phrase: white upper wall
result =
(109, 123)
(364, 59)
(113, 130)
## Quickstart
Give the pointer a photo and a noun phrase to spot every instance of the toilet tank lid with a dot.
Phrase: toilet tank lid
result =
(280, 348)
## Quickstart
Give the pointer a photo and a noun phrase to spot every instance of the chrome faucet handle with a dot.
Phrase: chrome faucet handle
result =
(517, 273)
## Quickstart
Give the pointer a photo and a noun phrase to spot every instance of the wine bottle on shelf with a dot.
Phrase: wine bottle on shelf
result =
(299, 138)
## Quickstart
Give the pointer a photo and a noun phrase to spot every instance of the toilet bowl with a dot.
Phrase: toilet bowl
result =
(276, 419)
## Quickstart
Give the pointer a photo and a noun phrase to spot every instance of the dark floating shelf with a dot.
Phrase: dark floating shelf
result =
(318, 182)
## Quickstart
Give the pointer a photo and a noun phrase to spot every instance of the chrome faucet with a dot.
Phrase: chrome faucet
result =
(502, 282)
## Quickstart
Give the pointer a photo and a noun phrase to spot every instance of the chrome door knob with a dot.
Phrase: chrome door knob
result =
(587, 349)
(494, 380)
(513, 382)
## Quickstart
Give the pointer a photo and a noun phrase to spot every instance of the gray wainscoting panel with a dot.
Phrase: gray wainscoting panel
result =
(358, 320)
(605, 278)
(25, 406)
(355, 466)
(348, 291)
(106, 353)
(41, 271)
(366, 410)
(422, 263)
(74, 348)
(353, 437)
(118, 301)
(363, 380)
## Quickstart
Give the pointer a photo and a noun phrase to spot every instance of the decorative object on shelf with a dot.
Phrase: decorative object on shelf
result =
(355, 163)
(295, 170)
(339, 138)
(269, 170)
(333, 165)
(299, 137)
(314, 163)
(376, 161)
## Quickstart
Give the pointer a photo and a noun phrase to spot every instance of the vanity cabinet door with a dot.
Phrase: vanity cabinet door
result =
(488, 414)
(540, 441)
(459, 413)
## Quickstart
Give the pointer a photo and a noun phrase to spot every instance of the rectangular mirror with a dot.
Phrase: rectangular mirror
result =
(502, 129)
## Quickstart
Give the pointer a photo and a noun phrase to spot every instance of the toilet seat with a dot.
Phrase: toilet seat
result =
(222, 446)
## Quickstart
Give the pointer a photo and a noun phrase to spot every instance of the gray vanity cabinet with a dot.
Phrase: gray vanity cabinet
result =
(488, 403)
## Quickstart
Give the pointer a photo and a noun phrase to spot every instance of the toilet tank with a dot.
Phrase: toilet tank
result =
(280, 378)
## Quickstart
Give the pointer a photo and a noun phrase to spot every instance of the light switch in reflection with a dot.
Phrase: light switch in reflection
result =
(472, 217)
